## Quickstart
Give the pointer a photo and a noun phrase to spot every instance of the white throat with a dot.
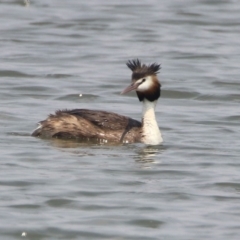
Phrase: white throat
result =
(151, 131)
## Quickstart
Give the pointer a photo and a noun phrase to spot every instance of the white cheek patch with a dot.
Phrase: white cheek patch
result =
(145, 85)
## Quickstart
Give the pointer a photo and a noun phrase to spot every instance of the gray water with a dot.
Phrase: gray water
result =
(188, 188)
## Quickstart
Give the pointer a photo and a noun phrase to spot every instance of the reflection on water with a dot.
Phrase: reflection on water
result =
(149, 155)
(26, 3)
(145, 155)
(142, 154)
(62, 143)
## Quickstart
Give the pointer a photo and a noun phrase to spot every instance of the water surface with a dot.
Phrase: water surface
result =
(188, 188)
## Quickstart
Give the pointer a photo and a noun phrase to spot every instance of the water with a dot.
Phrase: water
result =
(188, 188)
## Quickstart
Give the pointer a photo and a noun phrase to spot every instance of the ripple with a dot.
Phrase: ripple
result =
(131, 183)
(72, 234)
(26, 206)
(233, 118)
(222, 97)
(180, 94)
(222, 83)
(17, 183)
(147, 223)
(59, 202)
(93, 193)
(226, 198)
(59, 75)
(229, 185)
(32, 89)
(168, 173)
(94, 207)
(11, 73)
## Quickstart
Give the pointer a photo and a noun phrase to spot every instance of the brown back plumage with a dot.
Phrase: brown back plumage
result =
(82, 124)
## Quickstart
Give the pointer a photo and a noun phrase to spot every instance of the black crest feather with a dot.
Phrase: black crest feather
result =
(141, 70)
(134, 64)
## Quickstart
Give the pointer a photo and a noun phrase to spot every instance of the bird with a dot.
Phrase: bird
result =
(105, 127)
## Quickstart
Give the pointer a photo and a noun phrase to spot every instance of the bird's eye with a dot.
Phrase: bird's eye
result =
(143, 80)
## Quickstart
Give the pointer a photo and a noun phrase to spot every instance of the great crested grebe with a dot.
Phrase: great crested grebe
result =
(84, 124)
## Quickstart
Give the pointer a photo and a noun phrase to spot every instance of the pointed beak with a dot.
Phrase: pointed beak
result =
(130, 88)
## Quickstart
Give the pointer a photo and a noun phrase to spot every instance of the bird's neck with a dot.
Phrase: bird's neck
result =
(151, 132)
